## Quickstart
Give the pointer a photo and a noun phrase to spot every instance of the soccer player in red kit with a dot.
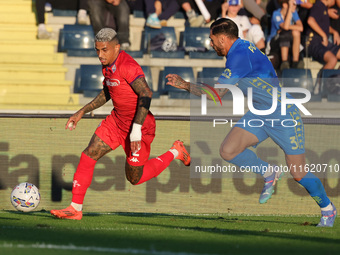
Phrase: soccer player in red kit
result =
(130, 124)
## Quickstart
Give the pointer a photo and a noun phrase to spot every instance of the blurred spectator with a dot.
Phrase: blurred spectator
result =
(319, 30)
(333, 12)
(194, 15)
(81, 6)
(253, 6)
(285, 34)
(114, 14)
(256, 34)
(249, 29)
(230, 10)
(159, 12)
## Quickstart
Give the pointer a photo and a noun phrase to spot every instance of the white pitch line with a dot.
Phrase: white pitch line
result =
(94, 248)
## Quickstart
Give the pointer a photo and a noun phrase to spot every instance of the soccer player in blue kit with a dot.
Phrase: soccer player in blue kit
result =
(246, 66)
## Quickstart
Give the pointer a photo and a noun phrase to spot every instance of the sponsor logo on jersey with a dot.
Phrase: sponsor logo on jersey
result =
(134, 159)
(112, 82)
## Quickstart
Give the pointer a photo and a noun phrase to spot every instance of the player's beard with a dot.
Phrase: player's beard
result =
(219, 50)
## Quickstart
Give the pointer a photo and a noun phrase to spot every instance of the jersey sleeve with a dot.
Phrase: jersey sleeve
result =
(131, 70)
(238, 65)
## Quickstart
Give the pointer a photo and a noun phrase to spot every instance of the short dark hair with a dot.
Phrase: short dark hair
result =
(225, 26)
(281, 2)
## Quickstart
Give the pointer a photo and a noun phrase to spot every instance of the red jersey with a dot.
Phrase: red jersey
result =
(118, 77)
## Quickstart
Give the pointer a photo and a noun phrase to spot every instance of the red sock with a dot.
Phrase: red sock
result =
(155, 166)
(82, 178)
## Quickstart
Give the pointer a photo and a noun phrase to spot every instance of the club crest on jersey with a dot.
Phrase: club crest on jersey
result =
(226, 73)
(112, 82)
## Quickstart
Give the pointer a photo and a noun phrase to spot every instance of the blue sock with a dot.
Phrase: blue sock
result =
(248, 158)
(315, 189)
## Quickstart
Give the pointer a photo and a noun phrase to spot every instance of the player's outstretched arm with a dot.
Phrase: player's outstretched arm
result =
(144, 93)
(97, 102)
(176, 81)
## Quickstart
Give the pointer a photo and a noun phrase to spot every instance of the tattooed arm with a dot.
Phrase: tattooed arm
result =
(97, 102)
(144, 93)
(177, 82)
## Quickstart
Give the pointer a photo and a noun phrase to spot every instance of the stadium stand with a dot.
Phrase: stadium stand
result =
(152, 41)
(89, 80)
(77, 40)
(210, 74)
(196, 42)
(330, 84)
(148, 78)
(32, 74)
(299, 78)
(185, 72)
(41, 59)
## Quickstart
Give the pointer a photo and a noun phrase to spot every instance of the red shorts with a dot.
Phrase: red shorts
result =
(113, 136)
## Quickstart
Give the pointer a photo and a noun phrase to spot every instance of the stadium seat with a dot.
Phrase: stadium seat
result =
(77, 40)
(138, 14)
(64, 13)
(185, 72)
(210, 74)
(196, 42)
(91, 78)
(148, 78)
(299, 78)
(330, 77)
(149, 33)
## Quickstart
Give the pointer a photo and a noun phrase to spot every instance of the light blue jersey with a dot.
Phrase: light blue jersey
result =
(247, 66)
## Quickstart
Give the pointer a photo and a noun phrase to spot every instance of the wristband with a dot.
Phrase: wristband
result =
(136, 132)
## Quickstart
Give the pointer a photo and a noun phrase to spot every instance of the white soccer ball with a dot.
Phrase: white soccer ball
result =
(25, 197)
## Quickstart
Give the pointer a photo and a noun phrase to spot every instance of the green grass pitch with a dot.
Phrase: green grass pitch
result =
(163, 234)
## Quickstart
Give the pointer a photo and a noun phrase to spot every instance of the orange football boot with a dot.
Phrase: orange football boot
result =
(67, 213)
(183, 154)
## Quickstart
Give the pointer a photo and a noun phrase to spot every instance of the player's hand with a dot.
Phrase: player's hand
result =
(177, 82)
(336, 38)
(136, 137)
(325, 41)
(73, 120)
(333, 13)
(135, 146)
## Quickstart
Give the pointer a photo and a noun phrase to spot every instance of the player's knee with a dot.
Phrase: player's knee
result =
(332, 62)
(227, 152)
(133, 173)
(133, 181)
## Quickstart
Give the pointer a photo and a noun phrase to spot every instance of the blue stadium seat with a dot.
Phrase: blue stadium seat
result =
(179, 15)
(148, 78)
(77, 40)
(149, 33)
(299, 78)
(210, 74)
(198, 38)
(138, 14)
(88, 80)
(185, 72)
(330, 77)
(64, 13)
(91, 78)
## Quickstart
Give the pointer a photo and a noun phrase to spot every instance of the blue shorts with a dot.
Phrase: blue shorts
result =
(286, 131)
